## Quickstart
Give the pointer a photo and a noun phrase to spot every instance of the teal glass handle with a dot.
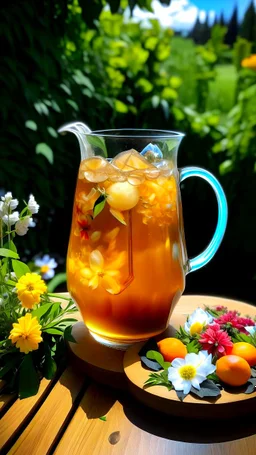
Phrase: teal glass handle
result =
(203, 258)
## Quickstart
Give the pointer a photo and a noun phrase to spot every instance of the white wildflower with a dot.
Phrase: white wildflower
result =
(47, 266)
(21, 227)
(197, 321)
(33, 205)
(11, 219)
(9, 202)
(190, 371)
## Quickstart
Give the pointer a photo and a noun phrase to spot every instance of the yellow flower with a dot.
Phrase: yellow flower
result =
(249, 62)
(30, 287)
(26, 333)
(101, 274)
(158, 200)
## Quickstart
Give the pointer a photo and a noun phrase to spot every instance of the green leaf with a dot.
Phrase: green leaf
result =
(154, 355)
(52, 131)
(49, 365)
(104, 418)
(53, 331)
(193, 347)
(30, 124)
(155, 101)
(73, 104)
(207, 389)
(98, 142)
(251, 386)
(253, 370)
(99, 205)
(181, 395)
(120, 107)
(45, 150)
(28, 378)
(9, 364)
(41, 310)
(20, 268)
(225, 167)
(8, 253)
(159, 379)
(56, 281)
(12, 245)
(68, 334)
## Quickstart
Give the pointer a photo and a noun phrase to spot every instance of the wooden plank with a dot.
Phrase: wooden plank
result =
(5, 400)
(120, 435)
(19, 411)
(40, 434)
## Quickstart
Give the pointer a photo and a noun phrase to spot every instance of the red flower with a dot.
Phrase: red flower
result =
(84, 224)
(216, 341)
(232, 319)
(221, 308)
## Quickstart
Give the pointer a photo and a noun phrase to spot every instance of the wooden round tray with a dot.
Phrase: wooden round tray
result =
(231, 403)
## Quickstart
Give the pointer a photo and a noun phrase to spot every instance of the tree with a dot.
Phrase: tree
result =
(248, 26)
(232, 32)
(222, 19)
(195, 33)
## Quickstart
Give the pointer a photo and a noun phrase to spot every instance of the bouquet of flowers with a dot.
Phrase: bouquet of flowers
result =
(216, 348)
(33, 326)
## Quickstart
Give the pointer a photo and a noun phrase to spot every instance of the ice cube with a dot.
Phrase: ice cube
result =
(152, 153)
(131, 160)
(96, 169)
(136, 178)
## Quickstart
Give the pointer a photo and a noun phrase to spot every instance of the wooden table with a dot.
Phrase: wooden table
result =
(64, 419)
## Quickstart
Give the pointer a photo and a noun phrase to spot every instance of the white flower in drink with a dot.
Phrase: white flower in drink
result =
(9, 202)
(33, 206)
(190, 371)
(21, 227)
(11, 219)
(197, 321)
(47, 266)
(251, 329)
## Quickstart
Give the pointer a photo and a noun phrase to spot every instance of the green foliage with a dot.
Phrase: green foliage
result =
(66, 60)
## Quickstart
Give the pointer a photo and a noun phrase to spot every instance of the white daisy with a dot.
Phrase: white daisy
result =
(190, 371)
(47, 266)
(197, 321)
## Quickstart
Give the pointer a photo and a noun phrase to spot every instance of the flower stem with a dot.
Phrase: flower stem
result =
(1, 233)
(58, 296)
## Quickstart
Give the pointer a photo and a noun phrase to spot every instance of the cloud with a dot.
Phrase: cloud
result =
(180, 15)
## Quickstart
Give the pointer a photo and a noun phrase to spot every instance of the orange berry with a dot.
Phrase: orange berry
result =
(245, 350)
(172, 348)
(233, 370)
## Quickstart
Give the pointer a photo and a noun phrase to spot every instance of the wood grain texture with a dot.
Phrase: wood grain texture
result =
(160, 398)
(19, 412)
(131, 429)
(43, 429)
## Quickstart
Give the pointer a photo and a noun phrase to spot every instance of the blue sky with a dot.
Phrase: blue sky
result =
(226, 6)
(181, 14)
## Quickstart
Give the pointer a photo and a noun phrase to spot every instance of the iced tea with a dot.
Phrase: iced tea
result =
(125, 260)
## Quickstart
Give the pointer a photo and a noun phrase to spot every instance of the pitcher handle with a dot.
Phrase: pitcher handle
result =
(203, 258)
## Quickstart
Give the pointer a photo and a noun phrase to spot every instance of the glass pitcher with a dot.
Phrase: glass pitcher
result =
(127, 258)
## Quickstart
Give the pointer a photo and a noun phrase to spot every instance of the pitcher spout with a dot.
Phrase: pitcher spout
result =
(80, 130)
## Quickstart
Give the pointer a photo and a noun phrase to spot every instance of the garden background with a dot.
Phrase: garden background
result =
(69, 60)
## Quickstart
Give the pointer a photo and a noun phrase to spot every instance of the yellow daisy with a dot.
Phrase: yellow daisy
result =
(26, 333)
(30, 287)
